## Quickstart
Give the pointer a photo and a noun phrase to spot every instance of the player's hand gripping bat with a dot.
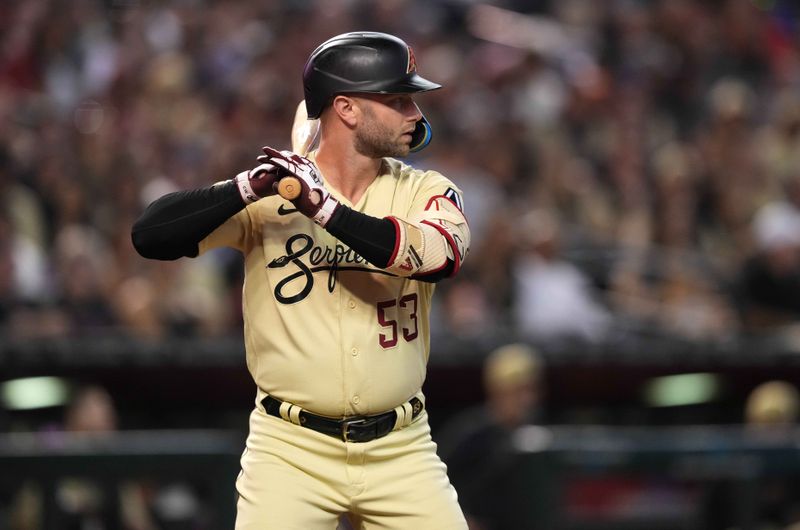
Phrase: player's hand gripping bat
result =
(313, 199)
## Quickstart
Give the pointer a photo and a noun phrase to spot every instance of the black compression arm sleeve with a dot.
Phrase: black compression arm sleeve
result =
(372, 238)
(172, 226)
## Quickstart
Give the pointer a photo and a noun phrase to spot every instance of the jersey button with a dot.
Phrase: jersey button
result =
(356, 400)
(352, 304)
(354, 351)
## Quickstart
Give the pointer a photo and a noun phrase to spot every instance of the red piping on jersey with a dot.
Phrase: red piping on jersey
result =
(451, 242)
(430, 201)
(434, 271)
(396, 239)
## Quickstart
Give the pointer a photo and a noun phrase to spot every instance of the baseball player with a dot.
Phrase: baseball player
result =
(337, 295)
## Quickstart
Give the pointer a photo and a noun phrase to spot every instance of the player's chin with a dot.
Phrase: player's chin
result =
(393, 149)
(397, 150)
(403, 145)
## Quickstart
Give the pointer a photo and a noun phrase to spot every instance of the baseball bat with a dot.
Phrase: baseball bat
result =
(304, 132)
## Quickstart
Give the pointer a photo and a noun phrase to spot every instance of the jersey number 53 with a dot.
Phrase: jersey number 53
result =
(394, 314)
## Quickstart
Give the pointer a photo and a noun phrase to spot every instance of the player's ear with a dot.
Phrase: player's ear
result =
(346, 109)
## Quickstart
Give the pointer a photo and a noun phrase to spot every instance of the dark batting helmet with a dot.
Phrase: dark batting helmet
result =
(366, 62)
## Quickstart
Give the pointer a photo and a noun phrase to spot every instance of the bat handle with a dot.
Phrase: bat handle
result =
(289, 188)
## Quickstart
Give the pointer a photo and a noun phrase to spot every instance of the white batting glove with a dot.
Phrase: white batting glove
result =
(257, 183)
(314, 201)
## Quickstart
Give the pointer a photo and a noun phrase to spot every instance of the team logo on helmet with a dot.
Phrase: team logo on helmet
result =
(412, 61)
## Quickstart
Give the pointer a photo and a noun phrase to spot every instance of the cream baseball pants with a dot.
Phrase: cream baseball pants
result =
(294, 478)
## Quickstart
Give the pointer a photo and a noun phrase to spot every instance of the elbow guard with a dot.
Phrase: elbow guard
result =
(427, 242)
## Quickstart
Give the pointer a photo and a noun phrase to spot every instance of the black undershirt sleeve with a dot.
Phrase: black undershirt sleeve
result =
(173, 226)
(373, 239)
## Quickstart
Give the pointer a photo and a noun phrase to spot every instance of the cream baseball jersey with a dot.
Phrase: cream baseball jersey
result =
(323, 328)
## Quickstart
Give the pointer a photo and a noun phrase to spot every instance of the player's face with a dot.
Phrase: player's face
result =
(386, 125)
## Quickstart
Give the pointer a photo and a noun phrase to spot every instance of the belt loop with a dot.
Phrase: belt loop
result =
(409, 413)
(284, 410)
(399, 423)
(294, 414)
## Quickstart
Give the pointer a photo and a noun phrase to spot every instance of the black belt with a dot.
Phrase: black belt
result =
(355, 429)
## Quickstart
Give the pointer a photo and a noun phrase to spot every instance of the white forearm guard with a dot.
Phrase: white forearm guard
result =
(425, 242)
(409, 247)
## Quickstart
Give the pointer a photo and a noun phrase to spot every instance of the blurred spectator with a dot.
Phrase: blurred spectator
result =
(663, 282)
(83, 503)
(466, 310)
(770, 279)
(771, 413)
(91, 412)
(553, 298)
(770, 416)
(772, 404)
(476, 444)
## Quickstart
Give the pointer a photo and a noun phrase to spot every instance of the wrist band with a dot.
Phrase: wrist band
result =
(326, 211)
(245, 190)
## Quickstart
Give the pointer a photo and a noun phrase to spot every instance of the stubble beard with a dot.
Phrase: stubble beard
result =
(375, 140)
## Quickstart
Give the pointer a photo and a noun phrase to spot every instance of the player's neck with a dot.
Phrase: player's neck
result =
(347, 171)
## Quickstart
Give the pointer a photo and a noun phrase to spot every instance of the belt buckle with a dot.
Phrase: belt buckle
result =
(346, 424)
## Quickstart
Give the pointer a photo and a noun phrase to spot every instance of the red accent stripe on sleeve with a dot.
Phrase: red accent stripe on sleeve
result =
(396, 239)
(433, 271)
(430, 201)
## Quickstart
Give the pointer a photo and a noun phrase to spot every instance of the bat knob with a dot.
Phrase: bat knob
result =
(289, 188)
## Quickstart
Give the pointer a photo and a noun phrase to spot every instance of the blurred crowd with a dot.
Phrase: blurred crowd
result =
(628, 166)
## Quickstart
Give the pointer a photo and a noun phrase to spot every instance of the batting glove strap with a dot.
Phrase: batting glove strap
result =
(256, 183)
(242, 181)
(326, 211)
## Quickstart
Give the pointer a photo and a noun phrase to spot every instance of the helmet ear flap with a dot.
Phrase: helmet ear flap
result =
(421, 136)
